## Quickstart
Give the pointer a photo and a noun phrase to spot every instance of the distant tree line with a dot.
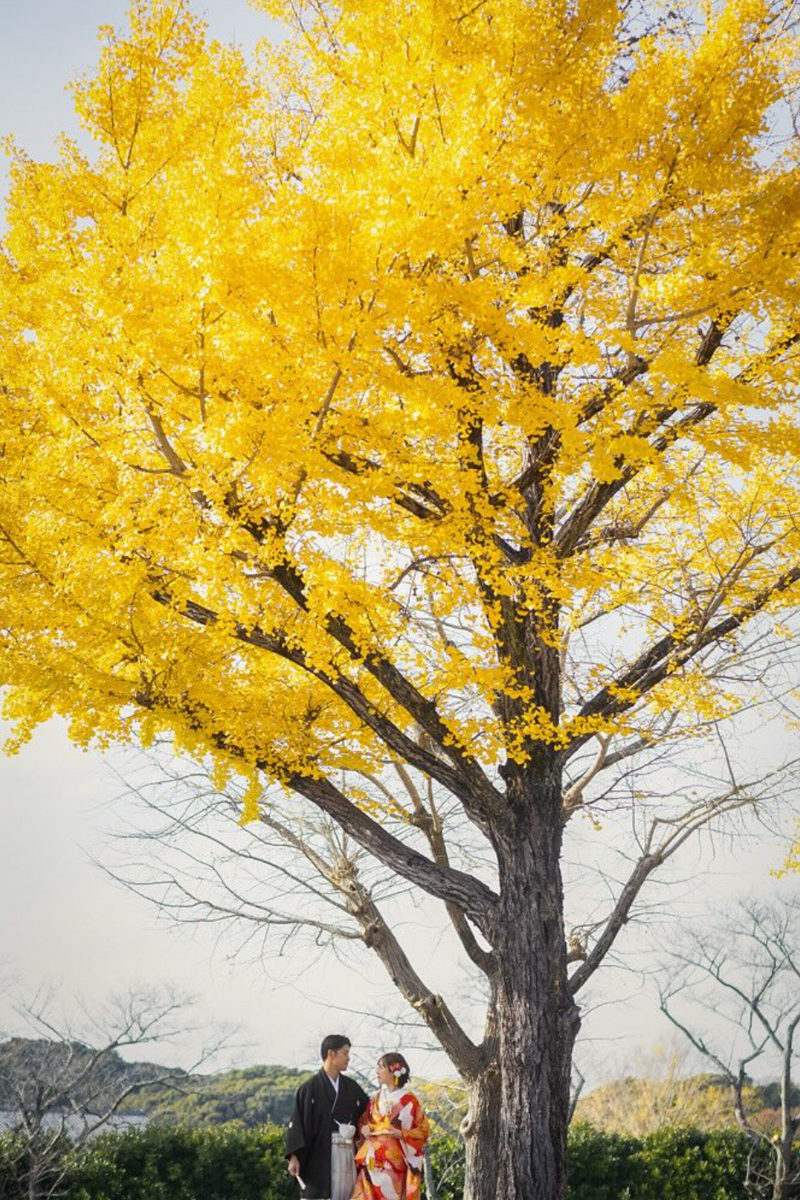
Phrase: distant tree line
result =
(253, 1095)
(644, 1101)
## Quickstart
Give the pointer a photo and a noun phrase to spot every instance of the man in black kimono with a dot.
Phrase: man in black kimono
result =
(319, 1141)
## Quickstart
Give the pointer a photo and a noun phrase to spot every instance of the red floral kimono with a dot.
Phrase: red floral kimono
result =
(389, 1168)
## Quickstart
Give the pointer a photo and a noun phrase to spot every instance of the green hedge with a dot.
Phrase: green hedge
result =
(230, 1162)
(673, 1165)
(12, 1155)
(226, 1162)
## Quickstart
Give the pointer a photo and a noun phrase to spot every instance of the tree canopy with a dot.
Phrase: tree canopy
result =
(366, 379)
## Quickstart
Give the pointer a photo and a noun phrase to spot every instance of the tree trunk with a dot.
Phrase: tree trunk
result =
(34, 1189)
(784, 1181)
(783, 1184)
(481, 1132)
(537, 1017)
(431, 1189)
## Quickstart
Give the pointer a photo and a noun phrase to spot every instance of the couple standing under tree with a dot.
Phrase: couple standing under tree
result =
(342, 1145)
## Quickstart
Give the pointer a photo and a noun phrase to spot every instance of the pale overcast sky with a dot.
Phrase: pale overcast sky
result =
(64, 923)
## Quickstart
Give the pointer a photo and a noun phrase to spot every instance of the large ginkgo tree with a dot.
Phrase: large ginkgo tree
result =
(420, 392)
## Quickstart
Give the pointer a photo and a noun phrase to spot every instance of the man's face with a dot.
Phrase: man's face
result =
(339, 1060)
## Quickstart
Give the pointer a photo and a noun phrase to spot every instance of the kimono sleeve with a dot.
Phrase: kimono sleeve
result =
(299, 1129)
(365, 1120)
(415, 1128)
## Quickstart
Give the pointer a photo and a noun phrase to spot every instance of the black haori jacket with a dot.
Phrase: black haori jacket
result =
(313, 1120)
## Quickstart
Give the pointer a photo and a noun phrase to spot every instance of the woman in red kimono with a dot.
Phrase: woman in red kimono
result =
(393, 1132)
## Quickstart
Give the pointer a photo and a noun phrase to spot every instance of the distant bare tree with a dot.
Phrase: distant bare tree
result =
(62, 1086)
(656, 1090)
(746, 970)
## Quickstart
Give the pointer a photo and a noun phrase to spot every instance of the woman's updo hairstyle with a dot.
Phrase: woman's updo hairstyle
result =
(397, 1065)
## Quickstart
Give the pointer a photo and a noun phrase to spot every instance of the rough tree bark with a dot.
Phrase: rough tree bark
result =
(480, 1130)
(537, 1017)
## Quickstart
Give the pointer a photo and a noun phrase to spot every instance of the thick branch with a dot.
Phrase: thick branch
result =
(446, 883)
(673, 651)
(389, 733)
(475, 791)
(476, 899)
(619, 917)
(428, 820)
(680, 830)
(598, 495)
(378, 936)
(420, 499)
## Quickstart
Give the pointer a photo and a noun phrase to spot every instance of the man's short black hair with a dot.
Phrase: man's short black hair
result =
(334, 1041)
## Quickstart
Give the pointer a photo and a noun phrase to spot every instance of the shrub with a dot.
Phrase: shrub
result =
(602, 1166)
(225, 1162)
(674, 1164)
(447, 1164)
(13, 1160)
(231, 1162)
(683, 1164)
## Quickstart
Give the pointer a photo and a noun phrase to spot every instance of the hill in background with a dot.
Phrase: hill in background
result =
(253, 1095)
(636, 1105)
(639, 1106)
(67, 1072)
